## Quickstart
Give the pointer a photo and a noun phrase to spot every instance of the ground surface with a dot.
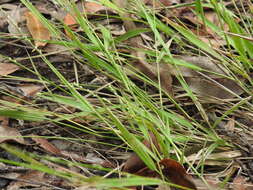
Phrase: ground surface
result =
(210, 134)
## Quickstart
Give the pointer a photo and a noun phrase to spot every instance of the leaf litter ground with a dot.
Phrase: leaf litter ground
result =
(26, 81)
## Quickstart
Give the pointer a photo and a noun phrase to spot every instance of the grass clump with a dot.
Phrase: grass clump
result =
(189, 126)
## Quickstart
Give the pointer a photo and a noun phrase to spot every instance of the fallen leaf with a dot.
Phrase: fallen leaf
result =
(206, 84)
(22, 91)
(8, 133)
(202, 30)
(92, 7)
(161, 3)
(4, 121)
(7, 68)
(70, 21)
(14, 21)
(5, 1)
(179, 12)
(33, 179)
(59, 53)
(47, 145)
(134, 163)
(38, 31)
(30, 90)
(240, 183)
(49, 9)
(176, 173)
(215, 156)
(213, 41)
(230, 125)
(5, 11)
(213, 17)
(211, 183)
(173, 171)
(88, 7)
(219, 88)
(146, 172)
(202, 62)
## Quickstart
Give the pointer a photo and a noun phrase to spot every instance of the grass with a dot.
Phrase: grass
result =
(133, 111)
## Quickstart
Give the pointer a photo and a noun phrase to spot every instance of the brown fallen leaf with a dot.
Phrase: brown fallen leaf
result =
(240, 183)
(38, 31)
(3, 20)
(9, 134)
(205, 84)
(208, 35)
(200, 61)
(230, 125)
(55, 12)
(22, 91)
(213, 17)
(161, 3)
(93, 7)
(31, 178)
(146, 172)
(88, 7)
(47, 145)
(198, 27)
(15, 18)
(7, 68)
(29, 90)
(211, 183)
(70, 21)
(219, 88)
(172, 170)
(4, 121)
(215, 157)
(176, 173)
(134, 163)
